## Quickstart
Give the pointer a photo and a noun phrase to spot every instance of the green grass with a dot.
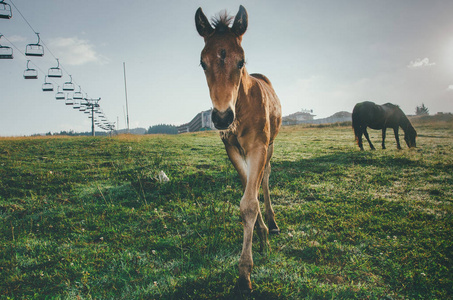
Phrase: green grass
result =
(85, 218)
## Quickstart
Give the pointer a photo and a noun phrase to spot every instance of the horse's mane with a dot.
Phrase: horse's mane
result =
(391, 105)
(222, 21)
(405, 123)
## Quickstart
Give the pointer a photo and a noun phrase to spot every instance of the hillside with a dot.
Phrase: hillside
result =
(87, 218)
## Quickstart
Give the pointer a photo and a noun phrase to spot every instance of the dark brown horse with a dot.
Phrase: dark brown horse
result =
(368, 114)
(248, 112)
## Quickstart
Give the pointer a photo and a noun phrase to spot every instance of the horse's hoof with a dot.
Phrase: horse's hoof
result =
(244, 286)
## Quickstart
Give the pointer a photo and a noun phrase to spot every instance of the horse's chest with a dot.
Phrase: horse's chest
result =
(233, 140)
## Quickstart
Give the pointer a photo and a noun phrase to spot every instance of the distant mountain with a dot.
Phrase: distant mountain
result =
(305, 118)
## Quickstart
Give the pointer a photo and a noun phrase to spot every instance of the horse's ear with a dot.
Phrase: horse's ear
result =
(240, 22)
(204, 28)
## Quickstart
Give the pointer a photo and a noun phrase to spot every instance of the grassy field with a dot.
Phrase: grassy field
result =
(85, 218)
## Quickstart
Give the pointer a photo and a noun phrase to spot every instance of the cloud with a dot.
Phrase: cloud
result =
(420, 63)
(450, 87)
(75, 51)
(16, 38)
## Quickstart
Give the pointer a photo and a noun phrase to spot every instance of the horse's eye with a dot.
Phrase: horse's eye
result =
(203, 65)
(241, 64)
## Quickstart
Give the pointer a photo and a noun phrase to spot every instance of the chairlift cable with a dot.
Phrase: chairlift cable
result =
(30, 60)
(31, 27)
(22, 16)
(23, 54)
(48, 49)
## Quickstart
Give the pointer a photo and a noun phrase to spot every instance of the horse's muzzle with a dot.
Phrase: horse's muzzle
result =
(222, 120)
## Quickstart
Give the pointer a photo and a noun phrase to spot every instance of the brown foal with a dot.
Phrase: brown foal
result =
(248, 113)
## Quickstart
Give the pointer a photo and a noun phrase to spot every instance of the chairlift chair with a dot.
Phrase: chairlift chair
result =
(5, 51)
(55, 71)
(77, 101)
(5, 10)
(47, 86)
(34, 49)
(30, 73)
(59, 95)
(78, 95)
(68, 86)
(76, 104)
(83, 105)
(69, 99)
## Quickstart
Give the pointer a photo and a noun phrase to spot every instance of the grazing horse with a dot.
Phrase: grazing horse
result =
(368, 114)
(248, 113)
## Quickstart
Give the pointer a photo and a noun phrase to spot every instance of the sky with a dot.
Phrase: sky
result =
(324, 56)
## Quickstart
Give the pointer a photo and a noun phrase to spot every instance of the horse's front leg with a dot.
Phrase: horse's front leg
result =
(383, 137)
(250, 213)
(237, 160)
(397, 137)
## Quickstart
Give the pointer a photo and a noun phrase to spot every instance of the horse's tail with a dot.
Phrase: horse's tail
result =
(356, 126)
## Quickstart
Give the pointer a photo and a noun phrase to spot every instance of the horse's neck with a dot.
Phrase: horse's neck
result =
(405, 123)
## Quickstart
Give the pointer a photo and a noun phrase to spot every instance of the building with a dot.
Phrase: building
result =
(202, 121)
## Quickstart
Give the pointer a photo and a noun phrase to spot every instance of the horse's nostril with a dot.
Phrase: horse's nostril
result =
(222, 120)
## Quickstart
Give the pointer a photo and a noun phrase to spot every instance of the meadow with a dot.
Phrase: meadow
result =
(86, 218)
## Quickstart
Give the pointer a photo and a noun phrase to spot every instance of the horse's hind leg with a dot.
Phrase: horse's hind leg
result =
(360, 141)
(358, 132)
(270, 216)
(397, 138)
(365, 132)
(262, 232)
(383, 137)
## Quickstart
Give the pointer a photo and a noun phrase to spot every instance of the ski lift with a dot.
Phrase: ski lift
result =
(83, 105)
(5, 51)
(55, 71)
(30, 73)
(69, 100)
(77, 104)
(59, 95)
(78, 95)
(34, 49)
(5, 10)
(47, 86)
(68, 86)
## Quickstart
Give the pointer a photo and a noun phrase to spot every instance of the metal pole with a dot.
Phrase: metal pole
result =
(92, 120)
(125, 92)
